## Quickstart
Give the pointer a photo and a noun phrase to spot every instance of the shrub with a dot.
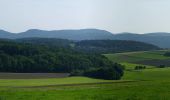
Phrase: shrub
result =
(161, 66)
(140, 67)
(104, 73)
(167, 54)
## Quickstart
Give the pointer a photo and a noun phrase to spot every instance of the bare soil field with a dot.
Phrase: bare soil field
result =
(155, 62)
(32, 75)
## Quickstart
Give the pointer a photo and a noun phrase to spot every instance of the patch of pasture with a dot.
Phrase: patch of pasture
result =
(131, 66)
(49, 81)
(157, 74)
(123, 58)
(140, 90)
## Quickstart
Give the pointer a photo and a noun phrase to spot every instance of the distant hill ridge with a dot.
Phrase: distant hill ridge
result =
(161, 39)
(82, 34)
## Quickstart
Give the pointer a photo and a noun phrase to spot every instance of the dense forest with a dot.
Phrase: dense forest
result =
(25, 57)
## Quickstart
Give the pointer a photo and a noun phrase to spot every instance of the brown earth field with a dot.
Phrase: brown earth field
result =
(155, 62)
(32, 75)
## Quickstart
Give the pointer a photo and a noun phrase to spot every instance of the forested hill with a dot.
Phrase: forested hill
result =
(19, 57)
(93, 46)
(24, 57)
(113, 46)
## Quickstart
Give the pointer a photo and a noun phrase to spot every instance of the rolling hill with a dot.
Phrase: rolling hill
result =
(92, 46)
(160, 39)
(113, 46)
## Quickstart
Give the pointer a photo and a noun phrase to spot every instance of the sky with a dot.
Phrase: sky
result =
(116, 16)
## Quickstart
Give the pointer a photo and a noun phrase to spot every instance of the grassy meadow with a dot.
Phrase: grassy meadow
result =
(148, 84)
(151, 83)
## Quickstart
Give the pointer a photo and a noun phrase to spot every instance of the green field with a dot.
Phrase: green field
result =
(72, 88)
(151, 83)
(49, 82)
(149, 58)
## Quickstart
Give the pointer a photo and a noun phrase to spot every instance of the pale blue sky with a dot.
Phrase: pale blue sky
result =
(139, 16)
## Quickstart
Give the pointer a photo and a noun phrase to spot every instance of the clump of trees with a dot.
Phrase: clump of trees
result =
(167, 54)
(161, 66)
(115, 72)
(140, 67)
(29, 58)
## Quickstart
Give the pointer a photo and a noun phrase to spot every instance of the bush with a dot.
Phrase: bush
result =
(140, 67)
(161, 66)
(167, 54)
(104, 73)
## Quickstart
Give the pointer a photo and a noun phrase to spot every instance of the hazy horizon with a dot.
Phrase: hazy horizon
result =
(116, 16)
(81, 29)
